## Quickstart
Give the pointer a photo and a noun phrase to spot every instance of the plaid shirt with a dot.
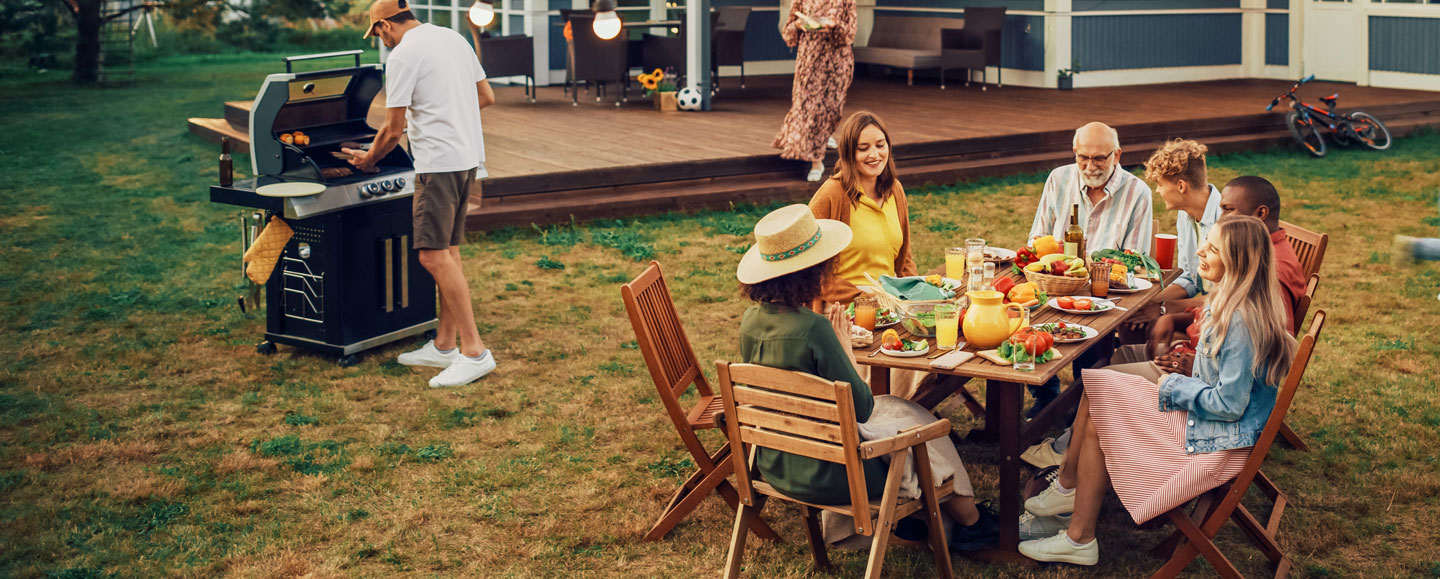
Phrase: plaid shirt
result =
(1120, 220)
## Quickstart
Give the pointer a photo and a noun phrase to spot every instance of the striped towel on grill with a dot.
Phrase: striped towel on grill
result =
(1145, 448)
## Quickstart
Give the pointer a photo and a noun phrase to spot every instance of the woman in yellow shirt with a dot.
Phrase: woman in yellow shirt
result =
(864, 194)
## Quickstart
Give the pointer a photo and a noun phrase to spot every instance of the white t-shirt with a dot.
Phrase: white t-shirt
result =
(433, 72)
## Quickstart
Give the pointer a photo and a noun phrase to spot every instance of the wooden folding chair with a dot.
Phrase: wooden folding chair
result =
(1309, 246)
(807, 415)
(1196, 530)
(673, 368)
(1302, 307)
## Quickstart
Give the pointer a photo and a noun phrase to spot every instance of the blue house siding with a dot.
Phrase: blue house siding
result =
(1035, 5)
(1102, 5)
(1399, 44)
(1277, 39)
(1277, 4)
(1154, 41)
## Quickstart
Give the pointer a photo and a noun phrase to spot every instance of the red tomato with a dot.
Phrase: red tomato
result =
(1083, 304)
(1035, 344)
(1065, 302)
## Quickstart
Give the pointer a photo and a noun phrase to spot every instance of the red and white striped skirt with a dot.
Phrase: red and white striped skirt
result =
(1145, 448)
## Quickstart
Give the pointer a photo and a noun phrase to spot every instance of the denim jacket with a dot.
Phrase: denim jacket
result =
(1227, 403)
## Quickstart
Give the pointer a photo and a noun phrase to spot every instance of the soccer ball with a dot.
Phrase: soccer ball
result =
(688, 99)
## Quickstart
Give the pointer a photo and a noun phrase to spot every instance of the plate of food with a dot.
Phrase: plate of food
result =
(999, 255)
(1074, 305)
(1131, 285)
(908, 349)
(1067, 333)
(884, 317)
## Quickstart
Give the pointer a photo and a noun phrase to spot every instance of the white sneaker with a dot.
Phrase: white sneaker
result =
(428, 355)
(832, 144)
(1050, 502)
(1042, 455)
(1033, 527)
(1057, 549)
(815, 175)
(464, 370)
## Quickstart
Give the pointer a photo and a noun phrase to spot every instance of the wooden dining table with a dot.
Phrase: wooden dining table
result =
(1005, 390)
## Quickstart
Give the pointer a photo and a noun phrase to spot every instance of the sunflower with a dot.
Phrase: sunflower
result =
(649, 81)
(659, 75)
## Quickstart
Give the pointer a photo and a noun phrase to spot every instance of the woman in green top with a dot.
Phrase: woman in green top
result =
(789, 265)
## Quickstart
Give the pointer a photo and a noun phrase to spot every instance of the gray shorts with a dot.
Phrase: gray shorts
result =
(439, 207)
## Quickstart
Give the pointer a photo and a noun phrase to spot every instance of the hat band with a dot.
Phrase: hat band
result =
(799, 249)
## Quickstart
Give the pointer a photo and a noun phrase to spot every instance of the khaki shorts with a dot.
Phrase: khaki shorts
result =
(439, 208)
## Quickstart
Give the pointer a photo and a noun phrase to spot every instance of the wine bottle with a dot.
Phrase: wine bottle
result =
(1074, 236)
(227, 166)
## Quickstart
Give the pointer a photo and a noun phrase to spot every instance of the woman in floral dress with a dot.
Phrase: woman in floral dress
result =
(824, 65)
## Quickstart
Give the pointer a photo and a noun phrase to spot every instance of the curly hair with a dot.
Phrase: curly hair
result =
(793, 290)
(1178, 160)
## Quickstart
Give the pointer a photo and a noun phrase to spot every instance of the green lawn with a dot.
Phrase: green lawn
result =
(141, 435)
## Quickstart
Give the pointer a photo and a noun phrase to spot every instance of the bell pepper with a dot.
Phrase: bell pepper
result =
(1022, 293)
(1046, 245)
(1025, 256)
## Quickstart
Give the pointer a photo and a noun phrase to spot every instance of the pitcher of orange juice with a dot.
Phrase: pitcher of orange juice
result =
(988, 322)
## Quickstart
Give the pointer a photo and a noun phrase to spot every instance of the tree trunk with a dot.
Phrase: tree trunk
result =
(88, 23)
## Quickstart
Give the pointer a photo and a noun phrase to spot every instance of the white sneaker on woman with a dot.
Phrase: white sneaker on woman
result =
(1059, 549)
(815, 174)
(428, 355)
(1051, 502)
(832, 144)
(1033, 527)
(464, 370)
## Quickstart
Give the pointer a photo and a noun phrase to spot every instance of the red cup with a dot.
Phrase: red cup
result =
(1165, 250)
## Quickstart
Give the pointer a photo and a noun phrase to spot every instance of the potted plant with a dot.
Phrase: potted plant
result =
(1065, 77)
(660, 84)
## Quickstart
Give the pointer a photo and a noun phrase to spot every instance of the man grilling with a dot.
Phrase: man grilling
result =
(435, 85)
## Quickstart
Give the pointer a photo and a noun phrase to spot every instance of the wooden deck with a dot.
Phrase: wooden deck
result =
(550, 161)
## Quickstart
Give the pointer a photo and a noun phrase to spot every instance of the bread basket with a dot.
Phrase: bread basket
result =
(1057, 285)
(916, 316)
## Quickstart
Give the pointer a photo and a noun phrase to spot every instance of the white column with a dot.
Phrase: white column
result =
(697, 48)
(1058, 52)
(1362, 42)
(865, 21)
(657, 12)
(1297, 32)
(1252, 38)
(537, 25)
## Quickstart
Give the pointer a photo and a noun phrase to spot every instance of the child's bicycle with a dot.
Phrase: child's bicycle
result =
(1306, 120)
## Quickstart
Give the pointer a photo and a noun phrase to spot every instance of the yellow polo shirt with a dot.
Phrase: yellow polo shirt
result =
(876, 242)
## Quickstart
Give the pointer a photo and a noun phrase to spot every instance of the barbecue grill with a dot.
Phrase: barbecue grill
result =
(349, 279)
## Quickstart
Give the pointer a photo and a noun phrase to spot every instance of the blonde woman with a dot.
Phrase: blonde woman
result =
(1161, 444)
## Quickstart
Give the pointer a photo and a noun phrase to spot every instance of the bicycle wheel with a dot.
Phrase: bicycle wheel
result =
(1304, 131)
(1368, 130)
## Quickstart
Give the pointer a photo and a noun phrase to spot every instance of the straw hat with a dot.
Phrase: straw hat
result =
(788, 240)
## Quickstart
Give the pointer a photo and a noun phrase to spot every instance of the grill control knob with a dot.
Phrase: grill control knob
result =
(370, 190)
(399, 183)
(388, 186)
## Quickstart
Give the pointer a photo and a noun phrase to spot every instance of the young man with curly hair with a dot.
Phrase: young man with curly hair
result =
(1179, 172)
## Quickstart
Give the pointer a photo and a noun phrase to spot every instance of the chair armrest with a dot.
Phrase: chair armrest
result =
(905, 439)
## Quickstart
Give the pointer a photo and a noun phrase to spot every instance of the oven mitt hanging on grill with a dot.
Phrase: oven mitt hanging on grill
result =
(265, 252)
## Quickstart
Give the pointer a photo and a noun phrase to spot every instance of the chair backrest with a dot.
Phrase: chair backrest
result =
(984, 18)
(728, 36)
(796, 413)
(1309, 246)
(733, 18)
(595, 58)
(663, 52)
(663, 342)
(512, 55)
(1282, 405)
(1302, 304)
(910, 32)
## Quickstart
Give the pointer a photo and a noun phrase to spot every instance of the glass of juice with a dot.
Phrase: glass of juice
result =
(974, 252)
(865, 312)
(1100, 280)
(947, 326)
(955, 263)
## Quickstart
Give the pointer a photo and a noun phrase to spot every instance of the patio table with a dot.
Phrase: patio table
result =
(1004, 394)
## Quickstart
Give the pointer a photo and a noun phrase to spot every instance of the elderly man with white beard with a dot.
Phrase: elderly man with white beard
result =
(1116, 210)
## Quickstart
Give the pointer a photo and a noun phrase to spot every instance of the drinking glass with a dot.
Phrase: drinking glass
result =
(947, 326)
(955, 263)
(974, 252)
(1100, 280)
(1024, 362)
(865, 312)
(976, 280)
(989, 277)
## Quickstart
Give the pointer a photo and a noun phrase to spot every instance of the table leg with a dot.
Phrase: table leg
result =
(879, 380)
(1006, 398)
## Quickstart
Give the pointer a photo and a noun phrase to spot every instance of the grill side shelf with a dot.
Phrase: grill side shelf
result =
(242, 193)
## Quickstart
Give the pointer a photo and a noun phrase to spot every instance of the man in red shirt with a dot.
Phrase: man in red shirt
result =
(1256, 197)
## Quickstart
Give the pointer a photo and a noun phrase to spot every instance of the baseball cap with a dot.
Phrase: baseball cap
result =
(383, 9)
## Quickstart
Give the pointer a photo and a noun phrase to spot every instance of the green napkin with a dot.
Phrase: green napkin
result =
(913, 289)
